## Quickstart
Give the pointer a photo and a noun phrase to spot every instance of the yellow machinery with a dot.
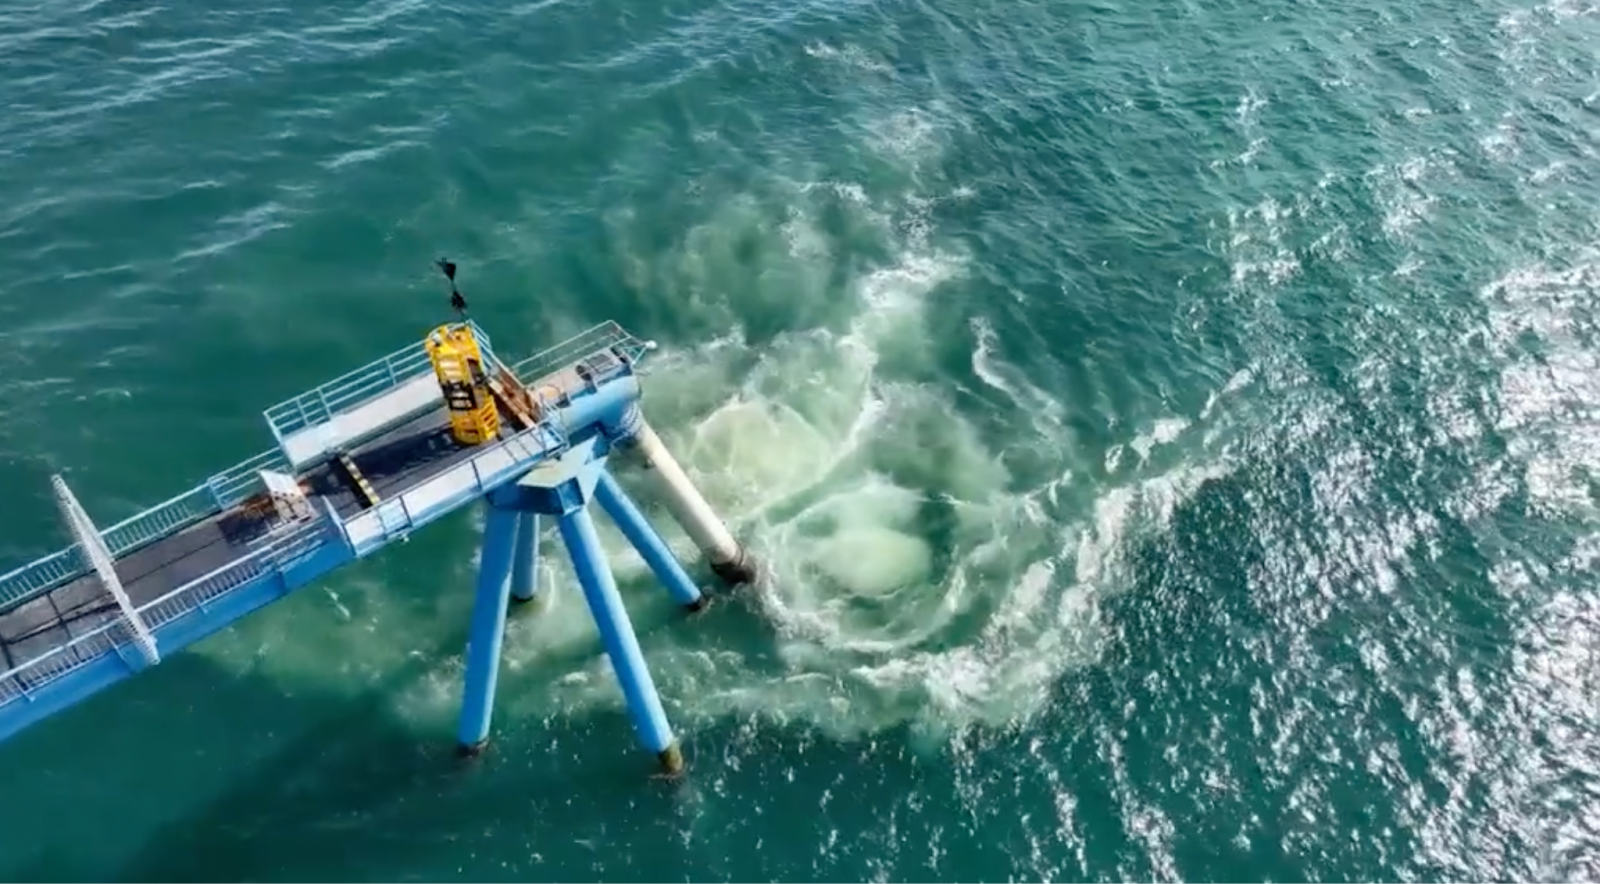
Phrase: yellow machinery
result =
(459, 366)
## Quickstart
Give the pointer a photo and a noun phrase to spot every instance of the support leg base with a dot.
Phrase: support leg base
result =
(697, 605)
(671, 760)
(471, 750)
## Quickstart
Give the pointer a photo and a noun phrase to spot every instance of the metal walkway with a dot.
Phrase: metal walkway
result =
(373, 459)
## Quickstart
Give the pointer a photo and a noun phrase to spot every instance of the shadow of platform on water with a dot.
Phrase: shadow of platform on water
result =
(200, 773)
(258, 783)
(253, 781)
(363, 798)
(367, 795)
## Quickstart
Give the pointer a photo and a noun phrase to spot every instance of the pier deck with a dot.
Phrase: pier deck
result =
(400, 459)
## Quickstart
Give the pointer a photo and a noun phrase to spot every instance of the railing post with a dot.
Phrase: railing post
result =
(336, 523)
(272, 424)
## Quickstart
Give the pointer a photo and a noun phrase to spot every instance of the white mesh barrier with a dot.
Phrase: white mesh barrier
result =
(94, 549)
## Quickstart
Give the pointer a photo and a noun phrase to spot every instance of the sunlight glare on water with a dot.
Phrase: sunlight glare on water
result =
(1168, 431)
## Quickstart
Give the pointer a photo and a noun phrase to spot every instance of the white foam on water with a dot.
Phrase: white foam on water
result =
(848, 56)
(912, 579)
(1256, 243)
(833, 466)
(1548, 398)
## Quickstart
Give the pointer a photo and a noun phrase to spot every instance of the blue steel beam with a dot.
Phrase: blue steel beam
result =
(644, 537)
(525, 560)
(488, 629)
(616, 634)
(562, 487)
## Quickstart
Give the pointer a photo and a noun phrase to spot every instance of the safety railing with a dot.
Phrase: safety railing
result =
(271, 558)
(46, 668)
(428, 500)
(20, 681)
(224, 490)
(234, 485)
(243, 480)
(318, 406)
(197, 593)
(292, 543)
(605, 338)
(161, 520)
(485, 344)
(40, 576)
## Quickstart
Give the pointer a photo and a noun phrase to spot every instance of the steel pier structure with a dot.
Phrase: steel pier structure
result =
(360, 462)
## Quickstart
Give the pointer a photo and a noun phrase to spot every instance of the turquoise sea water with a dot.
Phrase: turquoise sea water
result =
(1173, 427)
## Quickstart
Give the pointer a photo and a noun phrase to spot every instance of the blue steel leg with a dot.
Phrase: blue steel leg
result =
(615, 501)
(525, 561)
(616, 633)
(488, 629)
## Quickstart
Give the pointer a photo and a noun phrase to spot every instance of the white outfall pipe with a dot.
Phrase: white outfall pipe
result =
(727, 557)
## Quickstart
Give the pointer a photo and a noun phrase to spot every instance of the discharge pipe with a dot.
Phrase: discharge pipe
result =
(727, 556)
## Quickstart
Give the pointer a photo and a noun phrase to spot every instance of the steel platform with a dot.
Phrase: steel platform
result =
(372, 453)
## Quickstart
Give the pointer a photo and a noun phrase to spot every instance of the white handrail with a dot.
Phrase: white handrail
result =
(16, 672)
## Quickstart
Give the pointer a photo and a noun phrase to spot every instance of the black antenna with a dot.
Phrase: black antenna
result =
(457, 303)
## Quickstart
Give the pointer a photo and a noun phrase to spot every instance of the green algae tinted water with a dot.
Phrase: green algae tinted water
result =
(1173, 428)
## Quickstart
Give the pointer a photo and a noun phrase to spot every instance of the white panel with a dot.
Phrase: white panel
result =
(94, 549)
(282, 485)
(391, 407)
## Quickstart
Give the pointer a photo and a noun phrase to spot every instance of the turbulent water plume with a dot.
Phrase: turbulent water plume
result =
(1170, 429)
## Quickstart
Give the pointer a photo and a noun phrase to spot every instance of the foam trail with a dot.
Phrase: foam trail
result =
(914, 581)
